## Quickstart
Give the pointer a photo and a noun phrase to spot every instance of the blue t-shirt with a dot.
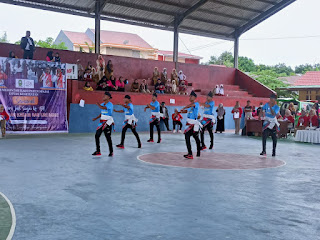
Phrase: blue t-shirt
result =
(209, 110)
(155, 104)
(267, 110)
(109, 110)
(193, 111)
(130, 110)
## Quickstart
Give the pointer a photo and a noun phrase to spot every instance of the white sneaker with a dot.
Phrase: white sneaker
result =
(174, 131)
(180, 131)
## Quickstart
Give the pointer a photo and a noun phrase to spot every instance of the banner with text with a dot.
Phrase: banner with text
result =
(34, 95)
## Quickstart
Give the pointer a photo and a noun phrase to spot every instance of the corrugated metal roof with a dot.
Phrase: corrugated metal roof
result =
(224, 19)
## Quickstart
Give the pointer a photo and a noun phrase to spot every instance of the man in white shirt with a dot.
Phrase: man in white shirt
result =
(27, 45)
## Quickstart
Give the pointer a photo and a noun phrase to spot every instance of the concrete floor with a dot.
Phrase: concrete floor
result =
(61, 192)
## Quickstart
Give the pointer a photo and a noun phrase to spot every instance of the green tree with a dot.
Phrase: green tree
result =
(48, 43)
(303, 68)
(4, 38)
(90, 48)
(246, 64)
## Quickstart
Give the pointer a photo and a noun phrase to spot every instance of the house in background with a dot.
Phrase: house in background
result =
(308, 86)
(119, 44)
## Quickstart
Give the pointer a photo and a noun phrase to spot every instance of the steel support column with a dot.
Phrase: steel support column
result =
(97, 27)
(236, 52)
(176, 45)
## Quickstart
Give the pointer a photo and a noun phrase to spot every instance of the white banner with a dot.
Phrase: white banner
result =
(72, 71)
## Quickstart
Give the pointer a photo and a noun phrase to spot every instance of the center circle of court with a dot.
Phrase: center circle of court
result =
(209, 160)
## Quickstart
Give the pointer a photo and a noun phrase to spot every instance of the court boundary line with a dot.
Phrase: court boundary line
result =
(13, 216)
(236, 169)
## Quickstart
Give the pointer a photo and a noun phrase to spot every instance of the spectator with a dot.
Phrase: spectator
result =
(173, 87)
(135, 86)
(164, 76)
(87, 87)
(220, 118)
(303, 121)
(101, 66)
(27, 44)
(182, 88)
(248, 110)
(216, 90)
(120, 84)
(155, 76)
(109, 69)
(174, 76)
(144, 87)
(176, 120)
(49, 57)
(102, 84)
(112, 84)
(3, 77)
(12, 54)
(254, 112)
(168, 86)
(159, 87)
(221, 90)
(57, 57)
(292, 109)
(237, 113)
(313, 118)
(165, 118)
(259, 108)
(289, 118)
(4, 117)
(181, 76)
(88, 75)
(80, 70)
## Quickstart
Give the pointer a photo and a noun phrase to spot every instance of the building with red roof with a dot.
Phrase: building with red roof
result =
(308, 86)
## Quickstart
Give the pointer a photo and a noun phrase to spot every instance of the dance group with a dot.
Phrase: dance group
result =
(195, 126)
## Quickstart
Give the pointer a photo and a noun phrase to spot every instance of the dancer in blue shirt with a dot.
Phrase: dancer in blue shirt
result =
(193, 125)
(155, 117)
(129, 122)
(105, 125)
(208, 121)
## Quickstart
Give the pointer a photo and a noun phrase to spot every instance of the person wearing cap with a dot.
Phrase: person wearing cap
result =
(194, 126)
(129, 122)
(105, 125)
(270, 125)
(155, 117)
(165, 113)
(208, 121)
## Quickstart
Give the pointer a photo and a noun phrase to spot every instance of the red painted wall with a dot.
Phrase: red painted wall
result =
(192, 61)
(252, 86)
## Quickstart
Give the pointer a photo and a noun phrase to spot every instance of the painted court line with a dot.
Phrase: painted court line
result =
(212, 169)
(13, 215)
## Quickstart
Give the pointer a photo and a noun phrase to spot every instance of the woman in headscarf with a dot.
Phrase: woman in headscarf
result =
(174, 76)
(155, 76)
(101, 66)
(181, 76)
(49, 57)
(237, 113)
(220, 118)
(109, 69)
(164, 76)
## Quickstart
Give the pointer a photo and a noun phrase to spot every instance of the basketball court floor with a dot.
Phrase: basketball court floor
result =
(59, 191)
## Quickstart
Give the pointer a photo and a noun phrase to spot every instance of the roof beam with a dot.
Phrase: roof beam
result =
(201, 10)
(102, 5)
(190, 10)
(236, 6)
(262, 17)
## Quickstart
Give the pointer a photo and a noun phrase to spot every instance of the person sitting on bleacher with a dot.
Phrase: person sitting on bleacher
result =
(155, 76)
(159, 87)
(144, 87)
(164, 76)
(221, 90)
(135, 86)
(88, 75)
(168, 86)
(102, 84)
(181, 76)
(216, 90)
(174, 76)
(87, 87)
(183, 88)
(120, 84)
(112, 84)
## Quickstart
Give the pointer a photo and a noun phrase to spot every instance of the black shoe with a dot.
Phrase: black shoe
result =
(139, 145)
(211, 146)
(150, 140)
(273, 153)
(96, 153)
(159, 141)
(203, 147)
(120, 146)
(263, 154)
(198, 154)
(110, 154)
(188, 156)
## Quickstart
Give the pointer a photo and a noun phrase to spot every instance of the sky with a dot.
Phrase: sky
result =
(291, 36)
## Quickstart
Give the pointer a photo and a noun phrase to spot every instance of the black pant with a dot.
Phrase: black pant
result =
(177, 123)
(157, 124)
(166, 122)
(28, 54)
(134, 131)
(107, 132)
(209, 127)
(196, 138)
(266, 133)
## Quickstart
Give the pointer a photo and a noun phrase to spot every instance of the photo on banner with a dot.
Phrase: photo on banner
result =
(34, 95)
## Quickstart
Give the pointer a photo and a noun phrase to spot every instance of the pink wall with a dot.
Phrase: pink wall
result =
(252, 86)
(192, 61)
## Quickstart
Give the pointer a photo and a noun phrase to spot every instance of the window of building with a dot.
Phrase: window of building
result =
(308, 95)
(135, 54)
